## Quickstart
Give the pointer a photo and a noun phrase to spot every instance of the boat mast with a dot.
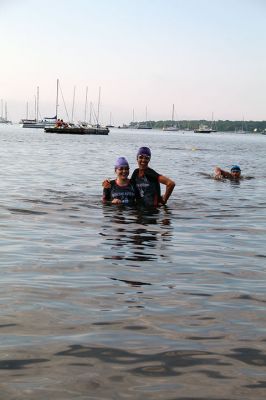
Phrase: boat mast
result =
(56, 101)
(86, 102)
(173, 113)
(73, 104)
(35, 109)
(90, 112)
(98, 110)
(37, 102)
(6, 111)
(2, 108)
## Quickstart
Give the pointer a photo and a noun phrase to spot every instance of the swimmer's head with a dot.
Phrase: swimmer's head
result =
(235, 172)
(121, 162)
(235, 168)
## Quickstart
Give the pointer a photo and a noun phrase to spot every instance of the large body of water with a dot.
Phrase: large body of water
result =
(101, 302)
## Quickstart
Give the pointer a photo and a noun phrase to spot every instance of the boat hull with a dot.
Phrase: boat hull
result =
(78, 131)
(203, 131)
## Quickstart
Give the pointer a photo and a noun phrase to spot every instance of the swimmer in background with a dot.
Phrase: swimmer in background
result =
(233, 175)
(120, 190)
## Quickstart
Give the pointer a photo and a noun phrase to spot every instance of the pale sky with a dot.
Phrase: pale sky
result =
(203, 56)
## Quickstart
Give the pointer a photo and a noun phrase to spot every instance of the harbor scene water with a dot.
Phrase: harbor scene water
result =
(107, 302)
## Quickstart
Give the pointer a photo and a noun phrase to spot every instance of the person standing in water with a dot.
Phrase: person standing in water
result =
(234, 174)
(147, 182)
(120, 190)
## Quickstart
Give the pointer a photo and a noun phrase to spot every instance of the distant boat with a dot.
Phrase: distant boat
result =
(73, 129)
(36, 123)
(242, 129)
(33, 123)
(203, 129)
(144, 125)
(173, 127)
(4, 120)
(213, 125)
(111, 125)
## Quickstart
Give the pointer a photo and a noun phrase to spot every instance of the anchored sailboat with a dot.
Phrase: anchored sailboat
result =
(144, 125)
(36, 123)
(172, 127)
(82, 128)
(3, 119)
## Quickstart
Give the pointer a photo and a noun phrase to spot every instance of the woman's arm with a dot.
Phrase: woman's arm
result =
(170, 184)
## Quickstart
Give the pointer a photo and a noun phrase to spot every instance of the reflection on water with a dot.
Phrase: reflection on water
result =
(104, 302)
(132, 234)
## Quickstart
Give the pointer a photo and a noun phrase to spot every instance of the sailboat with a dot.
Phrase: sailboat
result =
(213, 125)
(83, 128)
(110, 124)
(242, 129)
(4, 120)
(144, 125)
(172, 127)
(36, 123)
(203, 129)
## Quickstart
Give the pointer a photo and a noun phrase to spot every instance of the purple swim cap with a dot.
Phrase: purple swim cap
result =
(144, 151)
(121, 162)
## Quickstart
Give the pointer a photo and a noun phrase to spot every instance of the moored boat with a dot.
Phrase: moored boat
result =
(144, 125)
(173, 127)
(33, 123)
(77, 130)
(4, 119)
(203, 129)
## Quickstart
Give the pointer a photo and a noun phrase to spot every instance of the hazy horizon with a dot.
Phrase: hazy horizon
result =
(205, 57)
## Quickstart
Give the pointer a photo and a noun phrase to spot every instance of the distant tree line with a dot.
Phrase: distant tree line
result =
(220, 126)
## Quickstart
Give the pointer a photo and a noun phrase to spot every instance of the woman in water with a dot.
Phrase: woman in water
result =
(120, 190)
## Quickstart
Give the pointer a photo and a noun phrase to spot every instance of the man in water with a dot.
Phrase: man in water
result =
(147, 182)
(234, 174)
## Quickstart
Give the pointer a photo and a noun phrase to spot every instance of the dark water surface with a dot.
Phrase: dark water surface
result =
(100, 302)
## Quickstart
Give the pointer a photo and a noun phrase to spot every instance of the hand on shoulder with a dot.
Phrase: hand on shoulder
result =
(106, 184)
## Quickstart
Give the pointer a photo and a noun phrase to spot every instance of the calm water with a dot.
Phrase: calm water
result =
(99, 302)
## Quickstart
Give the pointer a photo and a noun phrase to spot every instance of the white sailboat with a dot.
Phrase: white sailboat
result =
(213, 125)
(36, 122)
(173, 127)
(3, 119)
(242, 129)
(144, 125)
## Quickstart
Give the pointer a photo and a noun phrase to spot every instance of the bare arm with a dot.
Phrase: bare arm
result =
(221, 173)
(169, 187)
